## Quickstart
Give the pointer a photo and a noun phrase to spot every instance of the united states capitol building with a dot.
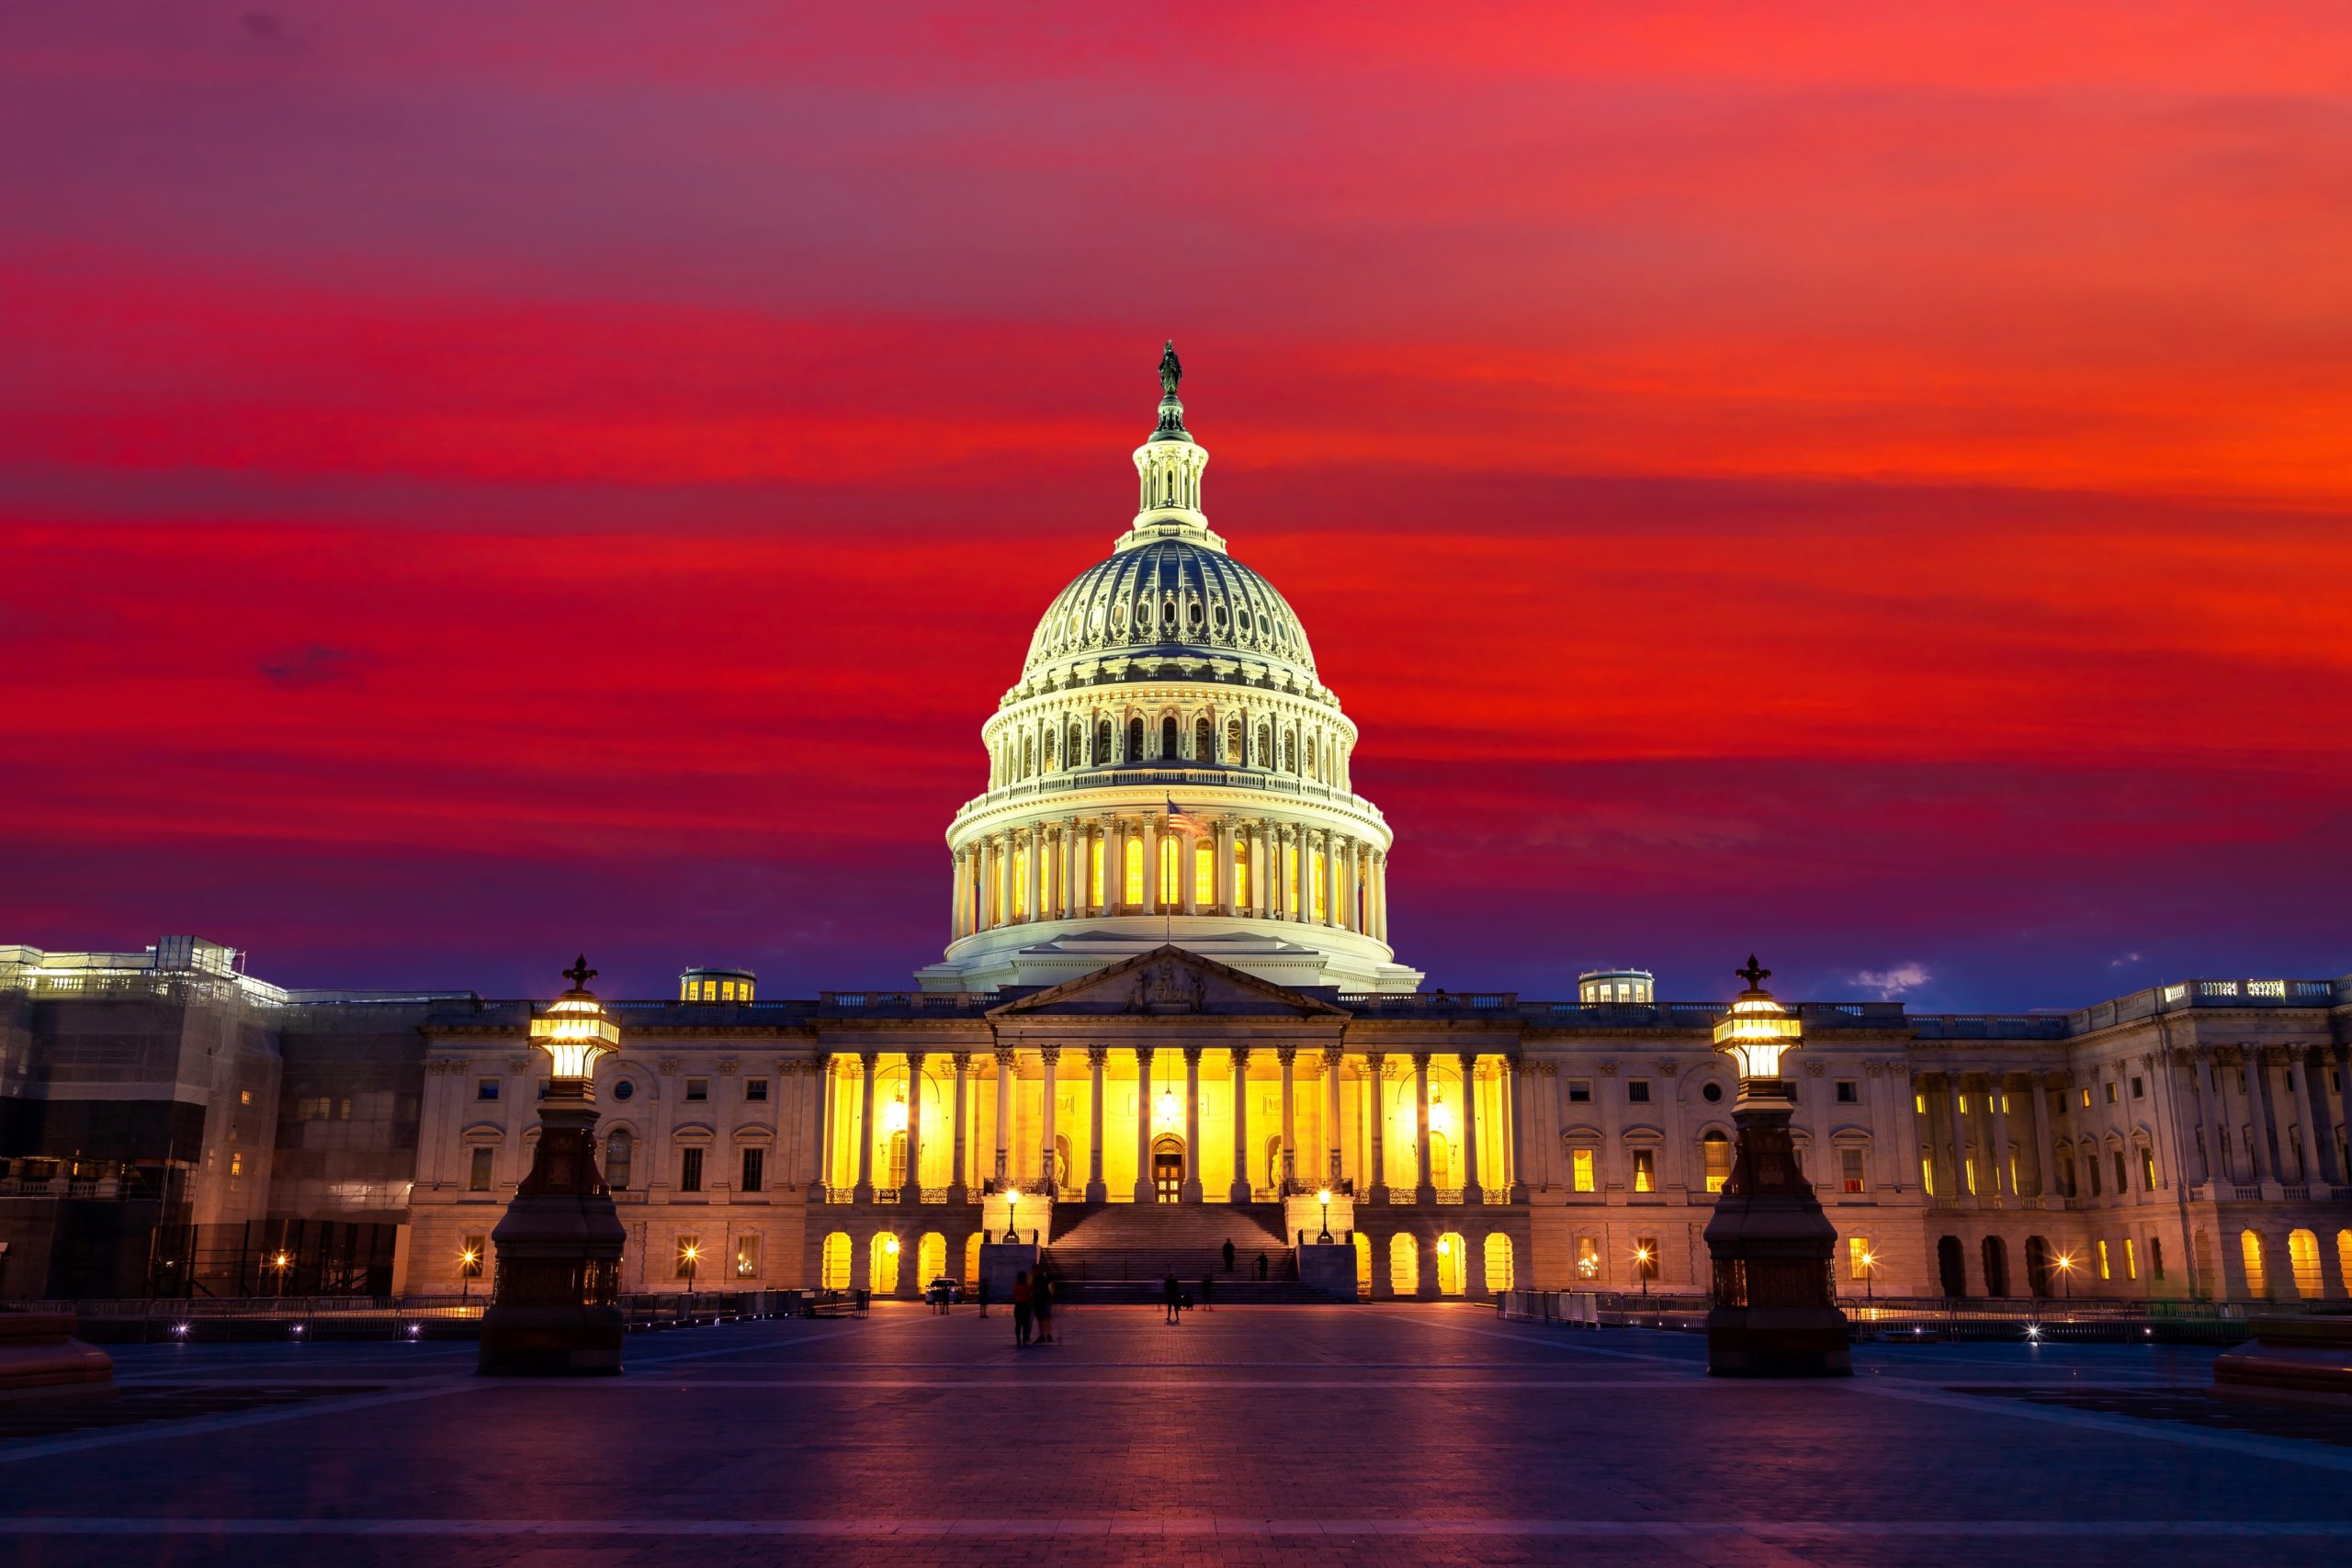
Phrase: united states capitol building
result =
(1166, 1016)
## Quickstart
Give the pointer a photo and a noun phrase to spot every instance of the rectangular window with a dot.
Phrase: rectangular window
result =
(1848, 1092)
(1849, 1166)
(471, 1255)
(2091, 1162)
(1241, 874)
(1587, 1257)
(1637, 1090)
(2130, 1260)
(1172, 876)
(697, 1088)
(2156, 1255)
(690, 1251)
(747, 1258)
(1919, 1104)
(1134, 890)
(244, 1097)
(755, 1162)
(1094, 854)
(1716, 1162)
(2086, 1100)
(755, 1088)
(2122, 1182)
(485, 1088)
(1204, 876)
(2147, 1170)
(2139, 1088)
(1580, 1161)
(1321, 884)
(690, 1170)
(1644, 1180)
(1859, 1259)
(1579, 1092)
(2104, 1272)
(478, 1178)
(236, 1164)
(2110, 1088)
(1645, 1257)
(1928, 1175)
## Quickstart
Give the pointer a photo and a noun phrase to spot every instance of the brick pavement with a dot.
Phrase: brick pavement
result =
(1340, 1435)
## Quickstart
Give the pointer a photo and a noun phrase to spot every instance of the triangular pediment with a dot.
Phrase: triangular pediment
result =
(1169, 980)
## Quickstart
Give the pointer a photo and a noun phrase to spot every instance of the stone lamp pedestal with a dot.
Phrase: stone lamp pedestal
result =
(555, 1311)
(1775, 1312)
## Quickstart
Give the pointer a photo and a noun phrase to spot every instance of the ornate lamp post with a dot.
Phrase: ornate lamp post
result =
(1324, 1198)
(1775, 1309)
(554, 1307)
(1011, 1196)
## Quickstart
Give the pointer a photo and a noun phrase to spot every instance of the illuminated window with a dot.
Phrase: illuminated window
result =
(1589, 1256)
(2104, 1272)
(2086, 1100)
(1963, 1105)
(747, 1257)
(2258, 1278)
(1096, 850)
(1020, 880)
(1580, 1164)
(1241, 873)
(1928, 1175)
(2130, 1260)
(1132, 893)
(471, 1255)
(2147, 1169)
(1204, 876)
(1920, 1103)
(1232, 737)
(1716, 1149)
(1849, 1166)
(1644, 1179)
(756, 1165)
(478, 1174)
(2302, 1261)
(690, 1170)
(1290, 868)
(244, 1097)
(1317, 870)
(1171, 850)
(1859, 1259)
(236, 1164)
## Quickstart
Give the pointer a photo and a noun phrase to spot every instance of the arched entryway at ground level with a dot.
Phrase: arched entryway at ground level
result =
(1951, 1267)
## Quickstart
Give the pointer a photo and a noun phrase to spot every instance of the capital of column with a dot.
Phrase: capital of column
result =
(1192, 1055)
(1240, 1055)
(1332, 1056)
(1004, 1058)
(1286, 1054)
(962, 1060)
(1097, 1056)
(1421, 1061)
(1049, 1054)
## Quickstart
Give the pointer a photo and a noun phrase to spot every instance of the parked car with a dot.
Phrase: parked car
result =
(954, 1288)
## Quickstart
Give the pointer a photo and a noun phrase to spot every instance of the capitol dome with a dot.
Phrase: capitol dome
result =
(1170, 767)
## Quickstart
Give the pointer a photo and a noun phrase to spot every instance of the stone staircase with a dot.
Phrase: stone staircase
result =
(1122, 1252)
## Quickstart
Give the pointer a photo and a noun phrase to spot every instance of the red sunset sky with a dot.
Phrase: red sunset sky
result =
(1866, 483)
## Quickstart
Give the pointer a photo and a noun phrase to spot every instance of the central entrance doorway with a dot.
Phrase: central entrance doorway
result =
(1167, 1170)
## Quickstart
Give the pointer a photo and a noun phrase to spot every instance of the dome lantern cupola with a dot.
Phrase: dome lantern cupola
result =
(1169, 468)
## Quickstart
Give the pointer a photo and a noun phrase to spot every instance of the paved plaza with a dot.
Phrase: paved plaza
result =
(1357, 1435)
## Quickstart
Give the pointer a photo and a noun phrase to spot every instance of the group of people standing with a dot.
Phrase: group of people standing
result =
(1032, 1307)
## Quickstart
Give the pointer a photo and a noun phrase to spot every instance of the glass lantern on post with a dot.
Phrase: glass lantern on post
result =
(555, 1300)
(1774, 1304)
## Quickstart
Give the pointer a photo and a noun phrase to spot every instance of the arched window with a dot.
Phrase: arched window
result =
(1053, 749)
(1167, 737)
(1241, 875)
(620, 1152)
(1103, 744)
(1404, 1264)
(2302, 1259)
(1951, 1266)
(882, 1264)
(1028, 758)
(1171, 887)
(1204, 741)
(833, 1274)
(1996, 1266)
(1290, 753)
(2258, 1277)
(1265, 748)
(1498, 1275)
(1134, 741)
(1233, 740)
(1133, 892)
(2037, 1266)
(1450, 1260)
(1312, 771)
(1074, 754)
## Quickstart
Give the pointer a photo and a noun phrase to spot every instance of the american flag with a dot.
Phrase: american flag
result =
(1183, 821)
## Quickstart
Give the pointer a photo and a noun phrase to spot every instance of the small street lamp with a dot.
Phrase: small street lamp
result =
(281, 1262)
(1869, 1276)
(1642, 1266)
(1324, 1197)
(2066, 1273)
(1011, 1196)
(467, 1260)
(691, 1255)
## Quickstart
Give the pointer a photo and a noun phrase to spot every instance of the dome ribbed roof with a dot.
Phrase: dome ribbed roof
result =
(1171, 597)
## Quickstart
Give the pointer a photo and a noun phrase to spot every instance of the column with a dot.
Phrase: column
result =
(1066, 905)
(2257, 1096)
(1295, 880)
(1353, 882)
(1959, 1183)
(1474, 1188)
(826, 1113)
(2045, 1146)
(1514, 1146)
(864, 1192)
(1049, 1169)
(1096, 1191)
(959, 1187)
(1151, 889)
(1004, 1081)
(1423, 1192)
(1375, 1065)
(1335, 867)
(1000, 849)
(1240, 1055)
(1188, 884)
(2004, 1183)
(1334, 1147)
(1104, 841)
(956, 899)
(1144, 1193)
(1036, 871)
(1288, 1056)
(2299, 1074)
(1191, 1191)
(910, 1191)
(1225, 903)
(1380, 891)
